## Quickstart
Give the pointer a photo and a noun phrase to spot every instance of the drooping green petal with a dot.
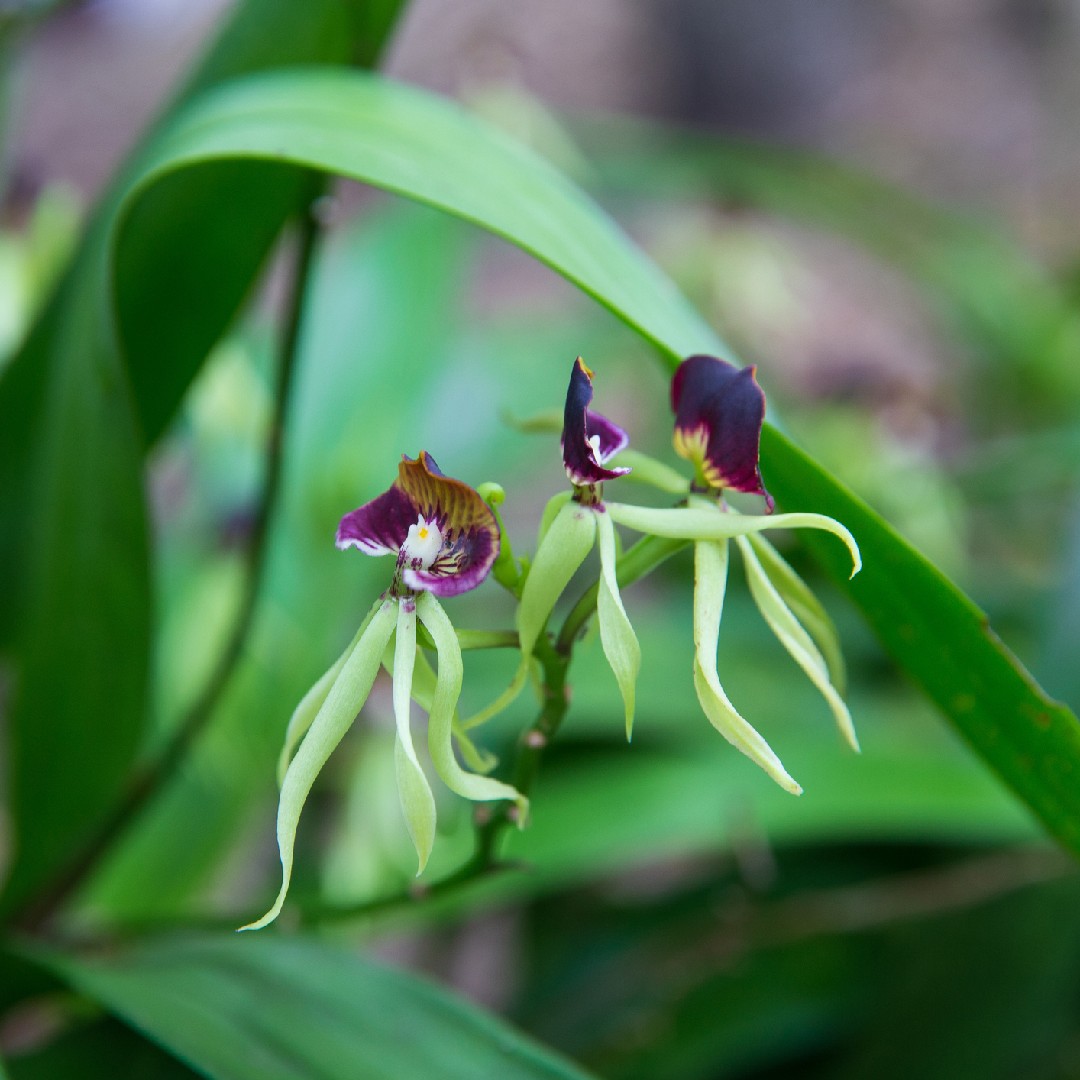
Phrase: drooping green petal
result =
(710, 583)
(805, 606)
(647, 470)
(794, 638)
(312, 701)
(562, 550)
(692, 523)
(343, 702)
(440, 715)
(417, 802)
(552, 508)
(616, 634)
(423, 693)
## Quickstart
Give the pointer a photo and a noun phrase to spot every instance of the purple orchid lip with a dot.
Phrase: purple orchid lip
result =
(719, 410)
(589, 440)
(443, 533)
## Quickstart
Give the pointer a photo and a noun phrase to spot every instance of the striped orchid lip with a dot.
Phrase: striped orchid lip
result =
(589, 440)
(719, 410)
(444, 535)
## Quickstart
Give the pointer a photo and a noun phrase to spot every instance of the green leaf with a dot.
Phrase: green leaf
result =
(73, 536)
(414, 144)
(272, 1008)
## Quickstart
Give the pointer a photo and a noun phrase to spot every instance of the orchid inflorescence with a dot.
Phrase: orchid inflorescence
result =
(447, 539)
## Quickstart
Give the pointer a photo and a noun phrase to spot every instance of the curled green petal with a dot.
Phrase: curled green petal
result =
(343, 702)
(417, 802)
(647, 470)
(312, 701)
(710, 584)
(616, 634)
(805, 606)
(794, 638)
(440, 715)
(692, 523)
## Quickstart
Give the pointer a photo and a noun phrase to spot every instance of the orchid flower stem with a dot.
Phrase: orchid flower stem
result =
(634, 563)
(145, 784)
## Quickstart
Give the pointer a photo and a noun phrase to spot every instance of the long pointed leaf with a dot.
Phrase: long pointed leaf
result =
(416, 145)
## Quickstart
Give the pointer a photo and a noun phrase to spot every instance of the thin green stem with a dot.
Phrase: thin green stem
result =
(147, 782)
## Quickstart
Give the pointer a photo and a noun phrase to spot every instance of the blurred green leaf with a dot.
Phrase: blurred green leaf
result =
(73, 540)
(271, 1008)
(98, 1049)
(416, 145)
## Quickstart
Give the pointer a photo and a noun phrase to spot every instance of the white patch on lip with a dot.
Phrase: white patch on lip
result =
(423, 544)
(594, 442)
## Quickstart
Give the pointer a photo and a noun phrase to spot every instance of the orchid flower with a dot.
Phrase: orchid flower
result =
(573, 523)
(719, 411)
(445, 540)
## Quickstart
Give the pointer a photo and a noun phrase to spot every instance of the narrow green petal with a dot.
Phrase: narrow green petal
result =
(566, 542)
(647, 470)
(690, 523)
(417, 802)
(805, 606)
(440, 727)
(312, 701)
(569, 539)
(794, 638)
(423, 693)
(710, 583)
(343, 702)
(616, 634)
(552, 509)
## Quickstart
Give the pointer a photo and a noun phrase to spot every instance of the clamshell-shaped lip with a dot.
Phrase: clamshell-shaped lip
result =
(470, 535)
(588, 439)
(719, 410)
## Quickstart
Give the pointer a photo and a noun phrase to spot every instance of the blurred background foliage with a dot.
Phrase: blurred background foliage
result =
(873, 205)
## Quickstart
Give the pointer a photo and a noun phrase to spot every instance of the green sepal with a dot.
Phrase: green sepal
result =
(417, 801)
(710, 584)
(707, 523)
(441, 713)
(310, 704)
(565, 544)
(343, 701)
(551, 511)
(805, 606)
(794, 638)
(616, 634)
(423, 693)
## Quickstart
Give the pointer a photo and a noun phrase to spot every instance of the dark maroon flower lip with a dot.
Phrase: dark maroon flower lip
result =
(719, 410)
(443, 533)
(589, 440)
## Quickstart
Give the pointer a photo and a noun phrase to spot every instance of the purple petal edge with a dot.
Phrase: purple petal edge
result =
(584, 465)
(378, 527)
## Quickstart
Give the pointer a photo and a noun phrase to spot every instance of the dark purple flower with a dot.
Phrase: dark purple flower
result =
(443, 533)
(719, 409)
(588, 439)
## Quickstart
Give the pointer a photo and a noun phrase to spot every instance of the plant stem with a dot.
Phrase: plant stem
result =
(148, 781)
